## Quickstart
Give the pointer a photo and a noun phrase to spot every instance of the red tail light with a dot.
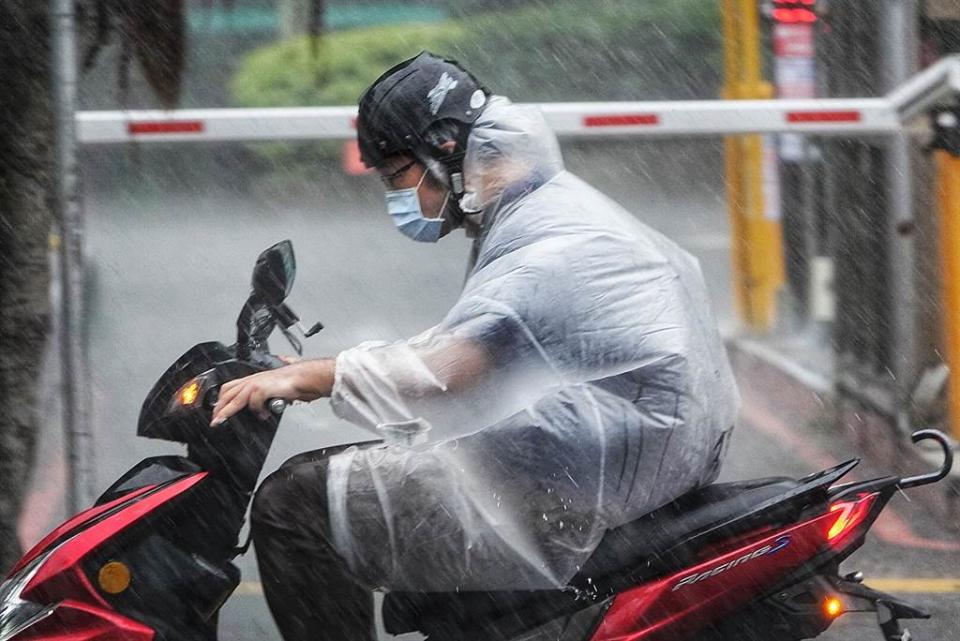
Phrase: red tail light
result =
(850, 514)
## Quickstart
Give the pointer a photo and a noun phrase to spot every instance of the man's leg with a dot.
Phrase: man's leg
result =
(311, 592)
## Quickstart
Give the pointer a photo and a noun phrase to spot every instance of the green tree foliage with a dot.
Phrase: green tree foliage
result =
(574, 50)
(293, 74)
(568, 51)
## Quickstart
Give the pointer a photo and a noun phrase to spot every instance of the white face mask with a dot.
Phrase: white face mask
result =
(403, 205)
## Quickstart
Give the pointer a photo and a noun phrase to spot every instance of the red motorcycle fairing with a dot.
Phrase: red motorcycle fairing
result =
(61, 577)
(76, 621)
(683, 602)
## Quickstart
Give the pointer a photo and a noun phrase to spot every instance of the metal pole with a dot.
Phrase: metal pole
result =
(69, 216)
(900, 52)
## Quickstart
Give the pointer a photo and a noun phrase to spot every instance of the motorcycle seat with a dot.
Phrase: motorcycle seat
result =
(661, 539)
(654, 544)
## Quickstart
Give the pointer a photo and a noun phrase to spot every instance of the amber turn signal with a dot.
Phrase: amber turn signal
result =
(188, 393)
(833, 607)
(114, 577)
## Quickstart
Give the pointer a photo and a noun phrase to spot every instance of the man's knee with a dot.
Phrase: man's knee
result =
(296, 491)
(269, 499)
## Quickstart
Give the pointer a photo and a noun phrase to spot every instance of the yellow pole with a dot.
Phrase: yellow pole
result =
(750, 51)
(757, 240)
(733, 163)
(948, 193)
(731, 48)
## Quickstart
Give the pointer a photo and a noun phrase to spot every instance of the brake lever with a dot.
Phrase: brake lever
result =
(288, 318)
(312, 331)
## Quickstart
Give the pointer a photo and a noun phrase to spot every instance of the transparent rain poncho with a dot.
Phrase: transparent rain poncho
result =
(578, 383)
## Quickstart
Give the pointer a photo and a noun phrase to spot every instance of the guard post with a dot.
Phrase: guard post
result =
(757, 246)
(946, 127)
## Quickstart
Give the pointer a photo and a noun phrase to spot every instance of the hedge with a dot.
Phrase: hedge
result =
(571, 50)
(606, 49)
(293, 74)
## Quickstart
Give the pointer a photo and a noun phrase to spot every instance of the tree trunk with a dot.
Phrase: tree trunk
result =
(26, 186)
(298, 17)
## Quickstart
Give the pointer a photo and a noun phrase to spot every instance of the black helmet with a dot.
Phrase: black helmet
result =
(417, 106)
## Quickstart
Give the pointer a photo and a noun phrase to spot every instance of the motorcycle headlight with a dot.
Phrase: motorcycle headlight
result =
(16, 615)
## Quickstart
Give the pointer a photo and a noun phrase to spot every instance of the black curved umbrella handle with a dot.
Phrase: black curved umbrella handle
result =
(933, 477)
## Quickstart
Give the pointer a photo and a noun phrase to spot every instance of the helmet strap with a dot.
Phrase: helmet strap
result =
(454, 166)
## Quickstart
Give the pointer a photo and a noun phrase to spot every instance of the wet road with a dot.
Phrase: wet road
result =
(169, 273)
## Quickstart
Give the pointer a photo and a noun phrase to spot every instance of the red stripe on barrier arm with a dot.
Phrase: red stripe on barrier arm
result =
(166, 127)
(621, 120)
(823, 116)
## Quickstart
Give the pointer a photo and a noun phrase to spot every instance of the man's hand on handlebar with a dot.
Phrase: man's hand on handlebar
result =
(297, 381)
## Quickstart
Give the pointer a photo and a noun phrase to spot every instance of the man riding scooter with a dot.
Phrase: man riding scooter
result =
(577, 383)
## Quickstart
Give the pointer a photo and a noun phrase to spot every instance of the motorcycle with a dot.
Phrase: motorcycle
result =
(751, 560)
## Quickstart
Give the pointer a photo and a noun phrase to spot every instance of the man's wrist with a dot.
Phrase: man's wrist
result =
(315, 378)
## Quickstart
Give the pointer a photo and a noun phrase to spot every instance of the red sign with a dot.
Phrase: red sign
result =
(621, 120)
(823, 116)
(165, 127)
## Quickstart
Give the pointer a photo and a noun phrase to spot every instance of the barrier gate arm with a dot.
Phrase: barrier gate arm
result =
(851, 117)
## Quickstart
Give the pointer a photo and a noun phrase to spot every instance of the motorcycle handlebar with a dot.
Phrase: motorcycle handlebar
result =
(277, 405)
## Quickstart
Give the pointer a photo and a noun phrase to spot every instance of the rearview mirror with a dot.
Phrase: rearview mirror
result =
(274, 272)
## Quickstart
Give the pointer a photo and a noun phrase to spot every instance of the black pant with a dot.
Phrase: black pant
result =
(309, 588)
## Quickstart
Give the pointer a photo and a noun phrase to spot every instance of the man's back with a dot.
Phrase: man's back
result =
(608, 301)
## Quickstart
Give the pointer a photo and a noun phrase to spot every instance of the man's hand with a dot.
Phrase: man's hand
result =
(300, 381)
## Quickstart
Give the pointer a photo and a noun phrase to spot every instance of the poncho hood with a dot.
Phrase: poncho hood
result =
(510, 152)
